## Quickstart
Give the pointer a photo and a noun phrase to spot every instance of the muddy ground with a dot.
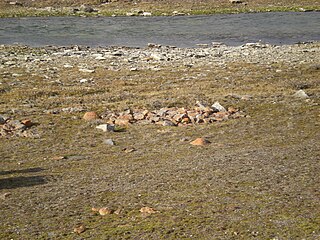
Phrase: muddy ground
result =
(257, 179)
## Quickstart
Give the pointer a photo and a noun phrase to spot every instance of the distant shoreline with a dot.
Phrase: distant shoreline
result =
(87, 8)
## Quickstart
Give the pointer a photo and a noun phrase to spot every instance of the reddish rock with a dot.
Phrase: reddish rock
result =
(186, 120)
(200, 142)
(89, 116)
(27, 122)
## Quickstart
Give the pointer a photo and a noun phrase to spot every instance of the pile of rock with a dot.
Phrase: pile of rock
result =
(201, 114)
(9, 127)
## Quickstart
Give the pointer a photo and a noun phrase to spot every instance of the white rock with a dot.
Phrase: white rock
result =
(86, 70)
(301, 94)
(100, 58)
(147, 14)
(106, 127)
(157, 57)
(217, 106)
(109, 142)
(83, 80)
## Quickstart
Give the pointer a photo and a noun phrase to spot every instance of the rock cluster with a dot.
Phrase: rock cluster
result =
(201, 114)
(9, 127)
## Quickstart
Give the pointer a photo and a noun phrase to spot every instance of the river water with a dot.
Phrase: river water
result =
(181, 31)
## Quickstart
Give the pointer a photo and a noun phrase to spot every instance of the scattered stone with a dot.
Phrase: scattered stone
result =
(105, 211)
(147, 210)
(106, 127)
(109, 142)
(200, 142)
(89, 116)
(16, 128)
(301, 94)
(14, 125)
(79, 229)
(201, 114)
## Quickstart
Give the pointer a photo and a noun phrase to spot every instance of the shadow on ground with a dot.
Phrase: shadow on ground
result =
(28, 170)
(16, 182)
